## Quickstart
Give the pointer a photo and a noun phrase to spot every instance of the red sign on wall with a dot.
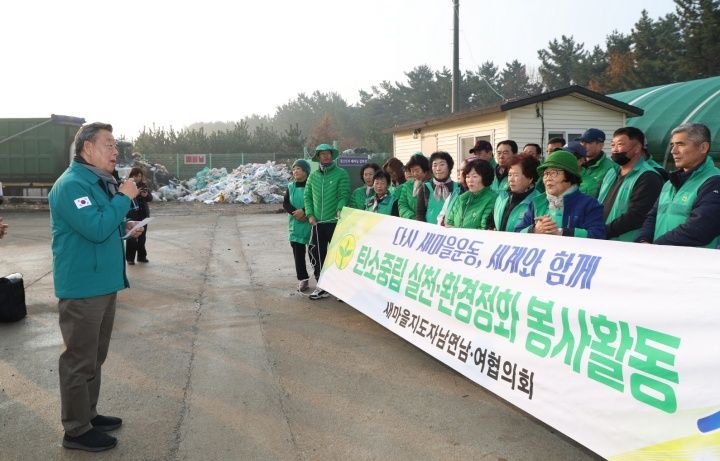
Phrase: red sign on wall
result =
(194, 159)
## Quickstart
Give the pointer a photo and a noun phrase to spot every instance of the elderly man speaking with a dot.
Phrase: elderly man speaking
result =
(87, 219)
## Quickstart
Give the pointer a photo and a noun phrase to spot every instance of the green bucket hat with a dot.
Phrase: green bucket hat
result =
(324, 147)
(562, 160)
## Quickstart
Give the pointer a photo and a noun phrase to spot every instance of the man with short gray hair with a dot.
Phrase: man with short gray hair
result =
(87, 219)
(687, 213)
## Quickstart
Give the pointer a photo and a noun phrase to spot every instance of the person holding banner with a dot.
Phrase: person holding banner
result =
(419, 168)
(473, 209)
(382, 202)
(362, 194)
(439, 189)
(522, 178)
(688, 209)
(327, 191)
(563, 209)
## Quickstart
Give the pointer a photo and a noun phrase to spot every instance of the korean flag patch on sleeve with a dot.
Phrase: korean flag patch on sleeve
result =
(82, 202)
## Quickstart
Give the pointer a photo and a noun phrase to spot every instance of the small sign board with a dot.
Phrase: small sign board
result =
(357, 160)
(194, 159)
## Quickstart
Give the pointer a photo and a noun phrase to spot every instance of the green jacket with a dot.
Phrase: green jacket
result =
(674, 206)
(593, 175)
(471, 210)
(358, 199)
(298, 231)
(87, 228)
(407, 203)
(326, 193)
(622, 198)
(517, 213)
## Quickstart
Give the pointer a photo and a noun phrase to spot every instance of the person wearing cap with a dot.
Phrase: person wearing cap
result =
(438, 190)
(511, 207)
(362, 194)
(298, 225)
(687, 211)
(629, 193)
(383, 201)
(596, 163)
(577, 150)
(563, 209)
(327, 191)
(484, 151)
(504, 151)
(419, 168)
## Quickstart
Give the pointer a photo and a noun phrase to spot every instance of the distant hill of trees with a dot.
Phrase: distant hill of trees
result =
(683, 45)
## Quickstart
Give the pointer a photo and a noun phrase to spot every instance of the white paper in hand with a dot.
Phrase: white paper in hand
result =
(137, 226)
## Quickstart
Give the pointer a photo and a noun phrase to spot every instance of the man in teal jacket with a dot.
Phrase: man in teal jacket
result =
(87, 218)
(327, 191)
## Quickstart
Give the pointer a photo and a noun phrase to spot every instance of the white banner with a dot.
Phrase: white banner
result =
(615, 344)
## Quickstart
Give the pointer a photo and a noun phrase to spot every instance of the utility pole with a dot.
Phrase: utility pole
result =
(455, 100)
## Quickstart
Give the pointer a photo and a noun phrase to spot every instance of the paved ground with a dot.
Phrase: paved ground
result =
(214, 357)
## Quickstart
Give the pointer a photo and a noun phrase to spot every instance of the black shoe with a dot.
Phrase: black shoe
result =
(92, 440)
(143, 260)
(131, 263)
(106, 423)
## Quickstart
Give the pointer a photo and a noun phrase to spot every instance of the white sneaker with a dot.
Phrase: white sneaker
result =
(303, 285)
(318, 294)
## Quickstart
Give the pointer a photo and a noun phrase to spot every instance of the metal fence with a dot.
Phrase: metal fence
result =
(185, 166)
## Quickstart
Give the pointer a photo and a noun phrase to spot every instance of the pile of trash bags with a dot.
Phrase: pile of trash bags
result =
(251, 183)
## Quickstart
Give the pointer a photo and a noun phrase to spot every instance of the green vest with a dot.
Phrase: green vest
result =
(499, 186)
(674, 207)
(592, 176)
(622, 198)
(384, 207)
(472, 209)
(516, 214)
(298, 231)
(434, 207)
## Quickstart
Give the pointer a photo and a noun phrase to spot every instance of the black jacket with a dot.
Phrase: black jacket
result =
(139, 208)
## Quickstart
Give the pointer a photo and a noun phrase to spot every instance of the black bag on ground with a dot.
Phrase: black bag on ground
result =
(12, 298)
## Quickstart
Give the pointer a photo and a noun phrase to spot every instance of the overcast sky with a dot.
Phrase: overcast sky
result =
(137, 63)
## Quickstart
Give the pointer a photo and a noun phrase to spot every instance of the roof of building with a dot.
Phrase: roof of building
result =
(667, 106)
(575, 90)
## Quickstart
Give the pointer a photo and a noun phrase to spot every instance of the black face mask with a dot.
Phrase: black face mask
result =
(620, 158)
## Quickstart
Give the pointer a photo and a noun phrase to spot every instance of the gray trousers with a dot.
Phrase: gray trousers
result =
(86, 325)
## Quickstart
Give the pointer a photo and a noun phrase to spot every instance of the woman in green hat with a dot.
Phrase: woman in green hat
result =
(563, 209)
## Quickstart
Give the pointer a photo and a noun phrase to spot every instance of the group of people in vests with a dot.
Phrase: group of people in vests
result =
(578, 191)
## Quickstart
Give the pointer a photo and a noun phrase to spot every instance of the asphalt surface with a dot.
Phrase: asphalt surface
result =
(215, 357)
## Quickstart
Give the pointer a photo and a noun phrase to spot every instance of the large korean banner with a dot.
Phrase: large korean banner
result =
(615, 344)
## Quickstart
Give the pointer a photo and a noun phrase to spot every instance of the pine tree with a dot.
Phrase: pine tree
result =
(700, 23)
(562, 63)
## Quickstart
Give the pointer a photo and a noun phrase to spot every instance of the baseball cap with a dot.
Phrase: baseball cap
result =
(576, 148)
(592, 135)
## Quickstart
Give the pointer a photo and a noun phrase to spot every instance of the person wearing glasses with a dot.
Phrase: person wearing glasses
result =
(87, 220)
(563, 209)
